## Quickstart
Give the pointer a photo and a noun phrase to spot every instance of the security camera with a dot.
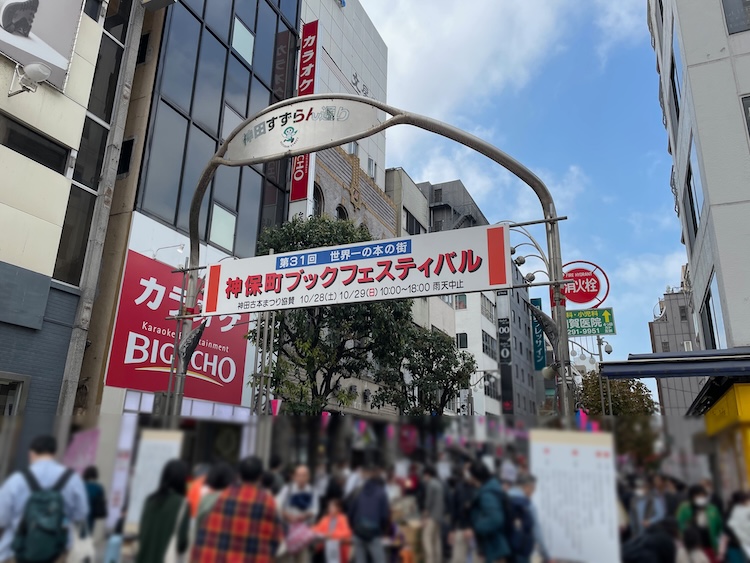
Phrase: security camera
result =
(28, 77)
(608, 348)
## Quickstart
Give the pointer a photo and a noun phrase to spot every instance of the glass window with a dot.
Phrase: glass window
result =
(675, 88)
(690, 219)
(276, 172)
(243, 41)
(222, 227)
(289, 10)
(162, 184)
(230, 122)
(75, 235)
(265, 41)
(461, 301)
(462, 340)
(664, 346)
(260, 97)
(318, 201)
(694, 180)
(32, 145)
(180, 57)
(200, 148)
(247, 220)
(91, 154)
(283, 64)
(226, 184)
(208, 83)
(116, 21)
(274, 206)
(489, 345)
(683, 313)
(713, 318)
(219, 16)
(353, 148)
(746, 109)
(246, 9)
(237, 85)
(737, 14)
(197, 6)
(142, 49)
(92, 8)
(104, 85)
(412, 226)
(341, 213)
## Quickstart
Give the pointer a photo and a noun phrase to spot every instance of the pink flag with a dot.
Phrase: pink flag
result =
(583, 418)
(449, 440)
(325, 418)
(594, 426)
(390, 431)
(275, 406)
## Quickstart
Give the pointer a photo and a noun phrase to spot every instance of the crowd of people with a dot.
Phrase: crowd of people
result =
(226, 513)
(467, 511)
(664, 521)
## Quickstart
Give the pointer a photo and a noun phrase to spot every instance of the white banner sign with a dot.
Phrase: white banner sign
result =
(460, 261)
(576, 495)
(303, 125)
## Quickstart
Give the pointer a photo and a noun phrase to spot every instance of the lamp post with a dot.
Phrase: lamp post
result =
(353, 118)
(470, 396)
(608, 350)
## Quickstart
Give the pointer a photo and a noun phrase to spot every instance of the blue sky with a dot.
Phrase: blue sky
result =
(570, 89)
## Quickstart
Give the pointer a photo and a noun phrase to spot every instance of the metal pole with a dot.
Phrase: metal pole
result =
(609, 397)
(601, 386)
(178, 325)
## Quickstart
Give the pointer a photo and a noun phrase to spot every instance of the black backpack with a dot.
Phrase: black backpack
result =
(42, 534)
(522, 537)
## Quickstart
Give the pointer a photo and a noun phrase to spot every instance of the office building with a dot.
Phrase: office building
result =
(63, 99)
(672, 331)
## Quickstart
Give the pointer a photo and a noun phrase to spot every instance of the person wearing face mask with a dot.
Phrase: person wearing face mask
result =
(697, 512)
(647, 507)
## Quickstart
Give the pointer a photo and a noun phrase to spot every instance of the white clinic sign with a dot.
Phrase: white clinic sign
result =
(303, 127)
(460, 261)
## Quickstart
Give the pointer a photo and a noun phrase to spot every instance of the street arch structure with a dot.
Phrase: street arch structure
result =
(316, 122)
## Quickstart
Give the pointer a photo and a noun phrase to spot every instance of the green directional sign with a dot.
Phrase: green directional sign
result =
(591, 322)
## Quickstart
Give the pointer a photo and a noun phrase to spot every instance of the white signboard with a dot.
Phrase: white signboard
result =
(156, 448)
(461, 261)
(302, 125)
(576, 494)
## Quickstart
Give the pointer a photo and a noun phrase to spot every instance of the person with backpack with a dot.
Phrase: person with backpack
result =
(489, 515)
(38, 506)
(369, 516)
(527, 532)
(96, 496)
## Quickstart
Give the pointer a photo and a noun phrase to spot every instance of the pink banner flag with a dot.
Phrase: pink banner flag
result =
(594, 426)
(325, 418)
(583, 419)
(275, 406)
(390, 431)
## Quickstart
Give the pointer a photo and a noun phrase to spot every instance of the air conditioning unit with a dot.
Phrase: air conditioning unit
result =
(352, 389)
(155, 5)
(366, 395)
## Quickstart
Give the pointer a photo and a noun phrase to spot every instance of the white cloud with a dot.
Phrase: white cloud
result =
(649, 223)
(620, 22)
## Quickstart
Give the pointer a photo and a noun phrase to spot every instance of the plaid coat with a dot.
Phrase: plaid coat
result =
(243, 527)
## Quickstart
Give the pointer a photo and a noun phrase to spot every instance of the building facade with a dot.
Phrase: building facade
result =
(672, 330)
(58, 141)
(704, 89)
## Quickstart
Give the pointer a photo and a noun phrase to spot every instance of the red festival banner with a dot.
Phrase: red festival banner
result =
(305, 85)
(143, 340)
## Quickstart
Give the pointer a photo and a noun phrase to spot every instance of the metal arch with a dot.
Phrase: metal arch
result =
(398, 117)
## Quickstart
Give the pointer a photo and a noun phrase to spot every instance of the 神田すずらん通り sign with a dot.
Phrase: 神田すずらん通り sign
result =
(460, 261)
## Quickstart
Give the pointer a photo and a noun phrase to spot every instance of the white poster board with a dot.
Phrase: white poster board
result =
(156, 448)
(576, 497)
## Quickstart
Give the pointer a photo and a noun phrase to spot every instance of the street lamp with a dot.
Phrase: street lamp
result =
(470, 397)
(583, 357)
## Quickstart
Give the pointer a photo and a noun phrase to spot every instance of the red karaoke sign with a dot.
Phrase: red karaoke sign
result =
(143, 340)
(305, 85)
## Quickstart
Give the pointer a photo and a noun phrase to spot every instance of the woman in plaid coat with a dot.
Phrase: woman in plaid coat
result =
(244, 526)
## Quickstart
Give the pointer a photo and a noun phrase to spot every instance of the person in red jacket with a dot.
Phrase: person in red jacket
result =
(334, 526)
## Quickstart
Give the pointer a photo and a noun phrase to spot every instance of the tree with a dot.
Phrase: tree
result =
(437, 371)
(633, 408)
(318, 348)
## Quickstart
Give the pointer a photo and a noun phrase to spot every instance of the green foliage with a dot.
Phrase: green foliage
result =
(318, 348)
(437, 371)
(633, 408)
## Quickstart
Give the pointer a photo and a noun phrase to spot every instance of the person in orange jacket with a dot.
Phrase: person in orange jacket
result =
(335, 526)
